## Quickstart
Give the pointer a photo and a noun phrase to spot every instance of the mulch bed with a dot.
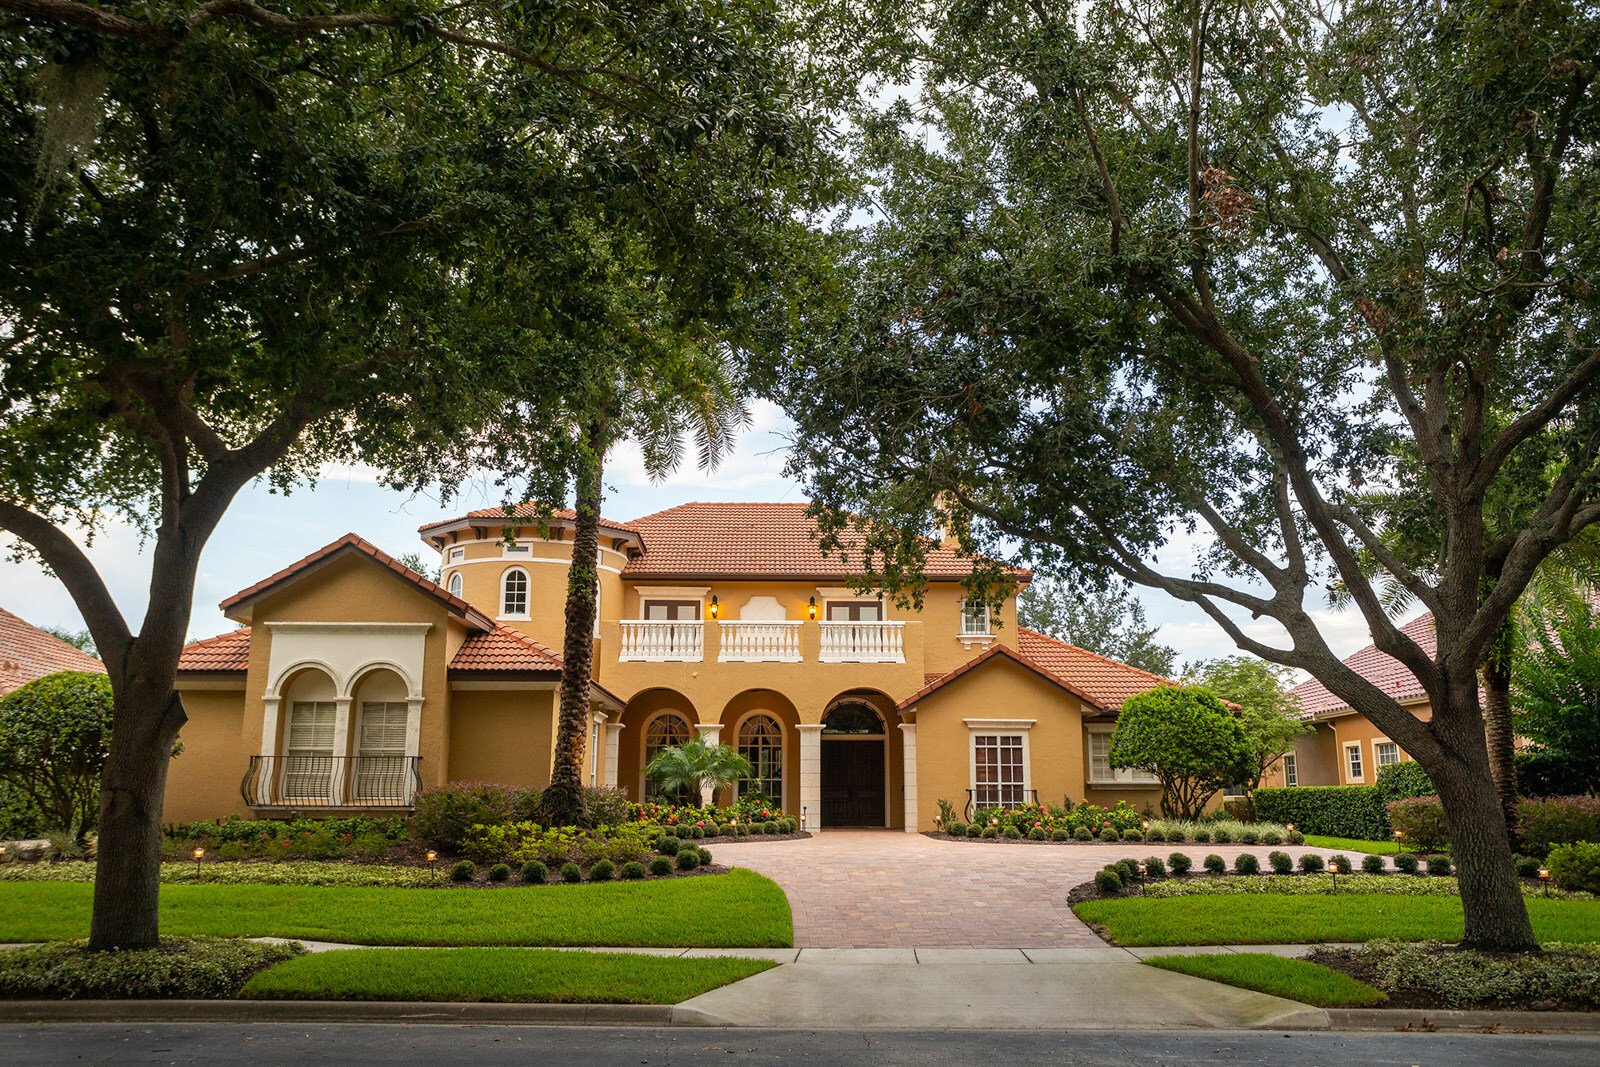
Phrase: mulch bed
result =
(939, 835)
(1347, 961)
(798, 835)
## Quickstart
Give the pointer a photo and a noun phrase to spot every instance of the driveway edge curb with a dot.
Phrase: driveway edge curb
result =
(353, 1011)
(1420, 1020)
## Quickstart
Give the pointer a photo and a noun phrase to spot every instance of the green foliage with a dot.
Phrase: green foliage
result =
(1399, 781)
(1556, 678)
(1108, 619)
(519, 842)
(1188, 739)
(1010, 833)
(1280, 862)
(1557, 821)
(186, 872)
(1576, 866)
(198, 968)
(1290, 978)
(1547, 774)
(500, 872)
(1341, 864)
(602, 871)
(1246, 863)
(571, 874)
(1568, 975)
(1107, 882)
(1311, 863)
(1128, 868)
(695, 764)
(1406, 862)
(463, 871)
(1440, 866)
(55, 733)
(1180, 863)
(1354, 811)
(1372, 864)
(688, 859)
(1269, 716)
(661, 866)
(443, 816)
(955, 828)
(632, 871)
(1421, 819)
(535, 873)
(1154, 868)
(1215, 864)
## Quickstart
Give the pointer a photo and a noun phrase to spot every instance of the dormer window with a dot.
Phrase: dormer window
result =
(974, 619)
(514, 594)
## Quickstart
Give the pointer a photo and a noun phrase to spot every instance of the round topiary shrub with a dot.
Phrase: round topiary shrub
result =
(500, 872)
(705, 856)
(1439, 866)
(688, 859)
(1132, 835)
(1083, 833)
(727, 830)
(991, 831)
(571, 874)
(633, 870)
(1221, 835)
(1176, 835)
(1372, 864)
(669, 845)
(602, 871)
(956, 829)
(975, 830)
(1246, 863)
(695, 832)
(1311, 863)
(1406, 863)
(1109, 834)
(1038, 834)
(661, 866)
(1107, 882)
(769, 827)
(1202, 836)
(1155, 834)
(1011, 833)
(1060, 834)
(1154, 868)
(1249, 837)
(535, 873)
(1295, 837)
(1179, 863)
(1280, 862)
(1339, 864)
(1271, 837)
(463, 871)
(1129, 869)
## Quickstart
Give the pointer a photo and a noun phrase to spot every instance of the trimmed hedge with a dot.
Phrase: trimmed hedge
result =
(1544, 824)
(1354, 811)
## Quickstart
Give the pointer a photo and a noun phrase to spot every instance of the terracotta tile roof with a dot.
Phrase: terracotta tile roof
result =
(1108, 682)
(521, 511)
(993, 652)
(27, 652)
(503, 649)
(228, 652)
(1379, 668)
(723, 540)
(352, 543)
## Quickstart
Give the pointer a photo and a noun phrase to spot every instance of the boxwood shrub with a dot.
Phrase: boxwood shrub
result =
(956, 829)
(535, 873)
(602, 871)
(1280, 862)
(1331, 810)
(1372, 864)
(463, 871)
(1179, 863)
(661, 866)
(688, 859)
(633, 870)
(1107, 882)
(500, 872)
(1575, 866)
(571, 873)
(1246, 863)
(1311, 863)
(1215, 864)
(1406, 862)
(1439, 866)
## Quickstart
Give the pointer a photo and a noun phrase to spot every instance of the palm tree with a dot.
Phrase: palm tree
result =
(694, 765)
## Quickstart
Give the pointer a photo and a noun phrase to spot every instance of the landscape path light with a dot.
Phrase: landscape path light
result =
(1544, 876)
(199, 854)
(432, 857)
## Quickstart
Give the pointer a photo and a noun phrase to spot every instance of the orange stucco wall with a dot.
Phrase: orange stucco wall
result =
(502, 736)
(203, 779)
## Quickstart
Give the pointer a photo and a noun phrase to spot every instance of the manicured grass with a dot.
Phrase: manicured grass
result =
(717, 911)
(1278, 918)
(1300, 980)
(538, 976)
(1352, 844)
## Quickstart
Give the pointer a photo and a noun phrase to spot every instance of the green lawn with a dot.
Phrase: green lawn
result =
(1300, 980)
(717, 911)
(1352, 844)
(1275, 918)
(496, 974)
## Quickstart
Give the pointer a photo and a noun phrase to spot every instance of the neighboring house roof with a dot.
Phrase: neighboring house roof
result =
(226, 653)
(352, 544)
(27, 652)
(771, 541)
(996, 651)
(1379, 668)
(503, 649)
(1107, 682)
(533, 513)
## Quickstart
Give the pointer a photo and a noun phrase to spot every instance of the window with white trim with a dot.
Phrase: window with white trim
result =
(1291, 773)
(974, 618)
(455, 584)
(514, 593)
(1352, 761)
(380, 772)
(1385, 752)
(308, 751)
(999, 770)
(457, 555)
(516, 550)
(1100, 770)
(761, 742)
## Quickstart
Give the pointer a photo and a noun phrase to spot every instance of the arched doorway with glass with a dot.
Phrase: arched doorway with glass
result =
(855, 769)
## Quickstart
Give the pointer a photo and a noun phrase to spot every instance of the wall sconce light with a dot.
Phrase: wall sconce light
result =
(811, 609)
(716, 609)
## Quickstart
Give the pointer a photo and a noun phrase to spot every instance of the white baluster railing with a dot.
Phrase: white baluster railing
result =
(655, 641)
(863, 642)
(759, 642)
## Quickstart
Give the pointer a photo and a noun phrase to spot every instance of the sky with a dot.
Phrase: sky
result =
(264, 532)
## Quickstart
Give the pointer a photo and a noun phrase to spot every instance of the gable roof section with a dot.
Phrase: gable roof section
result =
(227, 653)
(1107, 682)
(503, 650)
(1379, 668)
(995, 651)
(27, 652)
(772, 541)
(530, 513)
(352, 544)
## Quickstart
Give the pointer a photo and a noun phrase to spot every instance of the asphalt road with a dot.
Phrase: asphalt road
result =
(394, 1045)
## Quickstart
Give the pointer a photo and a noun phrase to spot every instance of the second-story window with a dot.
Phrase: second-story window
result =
(514, 593)
(974, 617)
(672, 610)
(455, 584)
(855, 611)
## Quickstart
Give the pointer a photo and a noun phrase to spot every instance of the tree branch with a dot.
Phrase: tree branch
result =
(62, 555)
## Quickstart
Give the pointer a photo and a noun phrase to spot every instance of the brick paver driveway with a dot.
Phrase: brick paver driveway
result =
(889, 889)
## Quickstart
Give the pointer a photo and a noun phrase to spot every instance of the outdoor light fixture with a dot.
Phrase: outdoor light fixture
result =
(811, 610)
(1146, 824)
(1142, 869)
(1289, 827)
(716, 609)
(1399, 841)
(1544, 876)
(432, 855)
(199, 854)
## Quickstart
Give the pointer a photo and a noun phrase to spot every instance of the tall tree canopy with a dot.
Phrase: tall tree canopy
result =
(244, 239)
(1155, 269)
(1109, 621)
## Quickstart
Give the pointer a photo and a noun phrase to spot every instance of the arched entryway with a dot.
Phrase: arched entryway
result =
(855, 765)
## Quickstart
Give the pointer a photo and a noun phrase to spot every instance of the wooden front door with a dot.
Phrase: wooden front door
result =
(852, 782)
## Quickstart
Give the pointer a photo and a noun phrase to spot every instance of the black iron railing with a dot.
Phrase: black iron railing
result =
(331, 781)
(997, 796)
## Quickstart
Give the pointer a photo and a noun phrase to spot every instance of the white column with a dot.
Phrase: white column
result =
(811, 775)
(613, 746)
(341, 749)
(710, 733)
(908, 746)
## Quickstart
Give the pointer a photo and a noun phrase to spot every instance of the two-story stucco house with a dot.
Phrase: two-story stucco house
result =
(353, 681)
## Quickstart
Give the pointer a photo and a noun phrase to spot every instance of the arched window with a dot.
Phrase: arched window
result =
(761, 742)
(664, 732)
(852, 719)
(514, 592)
(455, 584)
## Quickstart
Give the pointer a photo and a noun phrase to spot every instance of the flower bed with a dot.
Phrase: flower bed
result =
(1430, 974)
(1090, 823)
(363, 839)
(196, 968)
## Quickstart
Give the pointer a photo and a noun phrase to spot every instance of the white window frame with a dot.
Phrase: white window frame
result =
(1126, 776)
(527, 595)
(1291, 771)
(516, 550)
(456, 555)
(740, 786)
(453, 584)
(1359, 764)
(988, 621)
(999, 728)
(1377, 753)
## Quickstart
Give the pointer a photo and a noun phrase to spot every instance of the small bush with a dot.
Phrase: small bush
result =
(633, 870)
(1215, 864)
(571, 873)
(1246, 863)
(1222, 835)
(1294, 837)
(535, 873)
(1575, 866)
(991, 831)
(1176, 835)
(1155, 834)
(974, 830)
(1422, 820)
(1202, 836)
(1110, 834)
(602, 871)
(668, 845)
(1372, 864)
(1527, 866)
(1154, 868)
(1544, 824)
(1341, 864)
(1439, 866)
(1132, 835)
(500, 872)
(1311, 863)
(1083, 833)
(956, 829)
(443, 816)
(1129, 869)
(1406, 862)
(1107, 882)
(688, 859)
(463, 871)
(1280, 862)
(1271, 837)
(705, 856)
(1011, 833)
(1060, 834)
(1179, 863)
(661, 866)
(727, 830)
(1249, 837)
(1038, 834)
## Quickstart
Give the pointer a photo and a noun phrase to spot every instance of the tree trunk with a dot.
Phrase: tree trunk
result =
(1498, 732)
(562, 801)
(127, 880)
